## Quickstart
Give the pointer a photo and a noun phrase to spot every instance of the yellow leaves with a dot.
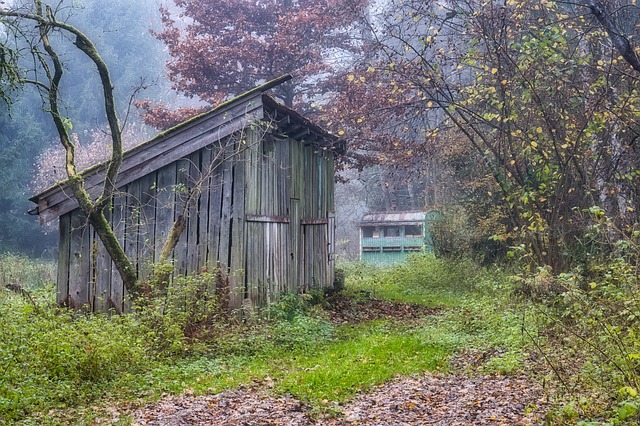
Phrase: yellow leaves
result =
(539, 130)
(533, 144)
(371, 69)
(632, 392)
(494, 71)
(352, 78)
(429, 104)
(340, 132)
(564, 146)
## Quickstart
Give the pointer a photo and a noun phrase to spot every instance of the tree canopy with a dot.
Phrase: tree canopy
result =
(240, 44)
(538, 89)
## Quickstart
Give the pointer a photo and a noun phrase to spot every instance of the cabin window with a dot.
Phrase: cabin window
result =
(368, 232)
(391, 231)
(413, 231)
(392, 249)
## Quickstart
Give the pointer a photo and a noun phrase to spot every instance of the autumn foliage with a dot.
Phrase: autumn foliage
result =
(222, 48)
(535, 88)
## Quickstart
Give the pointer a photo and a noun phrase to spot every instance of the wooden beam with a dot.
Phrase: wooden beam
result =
(266, 218)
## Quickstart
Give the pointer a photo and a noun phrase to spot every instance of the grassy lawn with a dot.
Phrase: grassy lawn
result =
(70, 363)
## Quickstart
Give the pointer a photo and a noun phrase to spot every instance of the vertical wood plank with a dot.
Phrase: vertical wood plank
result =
(181, 195)
(206, 168)
(253, 253)
(131, 213)
(64, 244)
(195, 180)
(80, 261)
(165, 205)
(146, 226)
(118, 224)
(225, 218)
(331, 229)
(215, 216)
(237, 261)
(102, 274)
(132, 220)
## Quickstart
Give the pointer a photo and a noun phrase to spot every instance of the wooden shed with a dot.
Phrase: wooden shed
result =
(388, 237)
(255, 181)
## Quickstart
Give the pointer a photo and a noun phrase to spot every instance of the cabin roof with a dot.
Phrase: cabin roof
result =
(394, 218)
(190, 136)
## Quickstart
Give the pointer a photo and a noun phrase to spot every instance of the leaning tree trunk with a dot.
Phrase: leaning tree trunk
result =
(94, 210)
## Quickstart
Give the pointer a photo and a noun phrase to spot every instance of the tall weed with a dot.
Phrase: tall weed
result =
(591, 323)
(27, 273)
(54, 358)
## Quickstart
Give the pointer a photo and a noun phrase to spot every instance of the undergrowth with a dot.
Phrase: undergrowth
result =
(61, 367)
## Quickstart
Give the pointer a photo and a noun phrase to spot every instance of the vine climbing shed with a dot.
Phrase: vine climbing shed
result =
(254, 182)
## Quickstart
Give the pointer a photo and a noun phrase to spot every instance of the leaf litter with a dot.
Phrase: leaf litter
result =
(429, 399)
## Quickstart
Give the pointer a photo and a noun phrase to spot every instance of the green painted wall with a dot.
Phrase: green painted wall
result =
(383, 250)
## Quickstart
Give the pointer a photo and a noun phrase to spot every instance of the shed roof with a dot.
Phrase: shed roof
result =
(394, 218)
(187, 137)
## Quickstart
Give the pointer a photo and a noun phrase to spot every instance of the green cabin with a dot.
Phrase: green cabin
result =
(388, 237)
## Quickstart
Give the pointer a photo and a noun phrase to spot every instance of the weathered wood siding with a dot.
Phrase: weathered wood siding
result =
(263, 214)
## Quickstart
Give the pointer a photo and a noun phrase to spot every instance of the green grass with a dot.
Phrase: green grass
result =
(365, 356)
(69, 363)
(423, 280)
(28, 273)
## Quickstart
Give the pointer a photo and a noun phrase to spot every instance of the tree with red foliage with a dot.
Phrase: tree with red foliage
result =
(223, 47)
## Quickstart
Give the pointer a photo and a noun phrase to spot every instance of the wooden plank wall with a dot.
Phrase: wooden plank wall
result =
(265, 218)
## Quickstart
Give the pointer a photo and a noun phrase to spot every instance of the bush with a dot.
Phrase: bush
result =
(53, 358)
(460, 234)
(592, 330)
(184, 308)
(428, 272)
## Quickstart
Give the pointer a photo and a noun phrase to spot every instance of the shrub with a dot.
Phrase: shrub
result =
(52, 357)
(186, 307)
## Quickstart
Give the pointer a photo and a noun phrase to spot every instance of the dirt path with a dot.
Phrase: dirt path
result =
(430, 399)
